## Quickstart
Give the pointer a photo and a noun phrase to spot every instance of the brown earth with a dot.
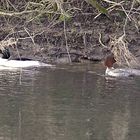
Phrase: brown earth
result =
(82, 33)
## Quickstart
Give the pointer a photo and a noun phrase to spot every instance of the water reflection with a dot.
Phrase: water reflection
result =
(120, 123)
(68, 104)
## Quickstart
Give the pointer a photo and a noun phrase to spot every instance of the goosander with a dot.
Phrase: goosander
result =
(5, 62)
(124, 72)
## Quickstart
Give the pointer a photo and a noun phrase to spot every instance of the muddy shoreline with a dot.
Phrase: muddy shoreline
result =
(79, 40)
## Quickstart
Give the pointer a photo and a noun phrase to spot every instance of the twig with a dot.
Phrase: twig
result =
(9, 13)
(111, 7)
(66, 40)
(31, 37)
(101, 41)
(126, 20)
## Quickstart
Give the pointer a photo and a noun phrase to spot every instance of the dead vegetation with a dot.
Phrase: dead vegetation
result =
(119, 47)
(6, 43)
(18, 17)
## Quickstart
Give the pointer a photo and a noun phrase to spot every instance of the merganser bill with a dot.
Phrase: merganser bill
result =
(111, 71)
(19, 62)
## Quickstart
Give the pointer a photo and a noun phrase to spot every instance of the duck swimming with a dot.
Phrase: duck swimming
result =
(5, 62)
(111, 71)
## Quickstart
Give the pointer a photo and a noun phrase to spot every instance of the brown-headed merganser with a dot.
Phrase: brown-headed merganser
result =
(123, 72)
(5, 62)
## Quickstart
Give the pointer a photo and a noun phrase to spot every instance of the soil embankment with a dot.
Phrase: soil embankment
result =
(78, 39)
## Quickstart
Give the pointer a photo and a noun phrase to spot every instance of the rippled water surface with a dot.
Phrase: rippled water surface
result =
(75, 102)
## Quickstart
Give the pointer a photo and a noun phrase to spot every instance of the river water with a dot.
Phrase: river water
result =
(73, 102)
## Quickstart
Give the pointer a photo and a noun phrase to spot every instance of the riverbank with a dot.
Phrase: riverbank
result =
(83, 37)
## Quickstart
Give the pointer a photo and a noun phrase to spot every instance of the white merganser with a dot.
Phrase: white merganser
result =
(19, 62)
(111, 71)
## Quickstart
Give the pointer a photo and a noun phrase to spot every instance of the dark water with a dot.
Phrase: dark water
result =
(74, 103)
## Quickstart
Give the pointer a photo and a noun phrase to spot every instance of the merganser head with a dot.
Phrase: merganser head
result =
(5, 54)
(109, 61)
